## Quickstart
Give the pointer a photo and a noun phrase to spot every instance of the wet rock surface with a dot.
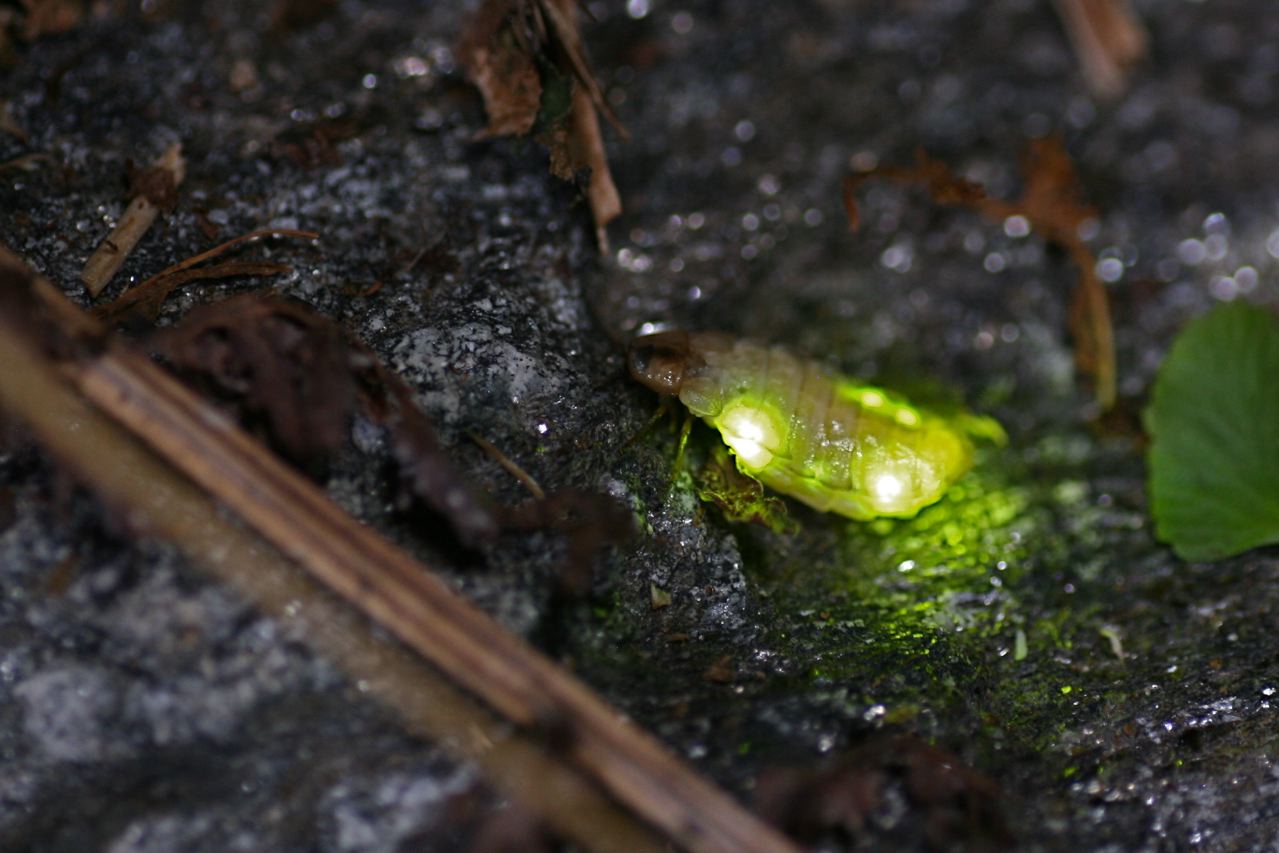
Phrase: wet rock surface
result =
(1029, 623)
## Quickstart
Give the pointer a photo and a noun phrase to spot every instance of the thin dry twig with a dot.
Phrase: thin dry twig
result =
(155, 192)
(147, 301)
(587, 147)
(1108, 38)
(222, 248)
(148, 295)
(562, 17)
(25, 162)
(401, 595)
(1051, 203)
(158, 501)
(8, 124)
(46, 17)
(512, 468)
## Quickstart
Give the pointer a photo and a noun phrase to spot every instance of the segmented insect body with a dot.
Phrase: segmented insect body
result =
(807, 431)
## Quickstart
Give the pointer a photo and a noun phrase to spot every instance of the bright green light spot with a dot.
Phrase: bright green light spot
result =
(872, 398)
(1065, 689)
(751, 433)
(888, 487)
(889, 495)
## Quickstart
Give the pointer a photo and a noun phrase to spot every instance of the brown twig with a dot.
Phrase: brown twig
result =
(8, 124)
(601, 192)
(562, 16)
(402, 596)
(147, 300)
(45, 17)
(148, 295)
(509, 464)
(1107, 37)
(25, 162)
(1050, 202)
(160, 502)
(222, 248)
(137, 218)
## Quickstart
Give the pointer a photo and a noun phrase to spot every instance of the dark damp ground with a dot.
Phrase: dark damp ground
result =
(1029, 623)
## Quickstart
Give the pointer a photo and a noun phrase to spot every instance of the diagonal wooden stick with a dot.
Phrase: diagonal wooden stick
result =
(160, 502)
(399, 594)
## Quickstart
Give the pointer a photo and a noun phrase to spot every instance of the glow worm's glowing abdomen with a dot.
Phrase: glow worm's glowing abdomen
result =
(806, 431)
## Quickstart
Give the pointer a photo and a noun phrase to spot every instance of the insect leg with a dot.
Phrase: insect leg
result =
(685, 429)
(666, 407)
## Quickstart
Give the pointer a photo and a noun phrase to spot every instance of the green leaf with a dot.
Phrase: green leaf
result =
(1214, 427)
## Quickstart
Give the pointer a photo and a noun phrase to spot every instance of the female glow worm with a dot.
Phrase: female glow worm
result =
(808, 432)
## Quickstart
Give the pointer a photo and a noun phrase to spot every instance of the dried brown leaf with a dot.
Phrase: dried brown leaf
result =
(952, 805)
(589, 523)
(508, 50)
(503, 67)
(1051, 196)
(424, 463)
(1051, 202)
(294, 376)
(48, 17)
(283, 368)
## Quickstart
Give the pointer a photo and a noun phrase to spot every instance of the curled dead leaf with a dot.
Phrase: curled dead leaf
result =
(527, 59)
(1052, 204)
